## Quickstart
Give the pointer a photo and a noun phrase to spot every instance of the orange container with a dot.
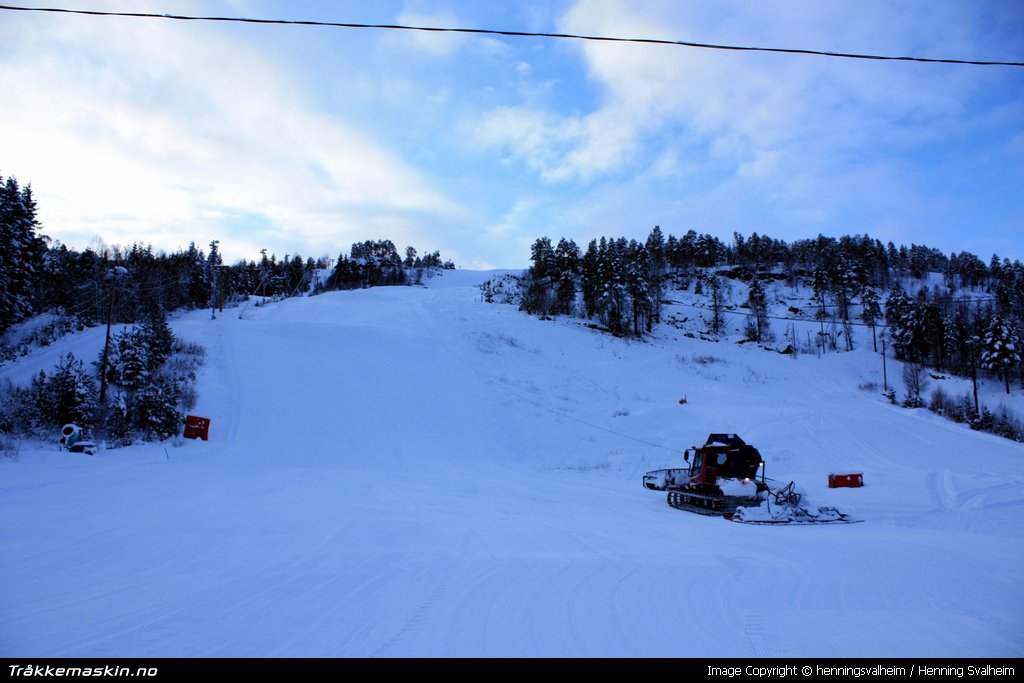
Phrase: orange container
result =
(853, 481)
(197, 427)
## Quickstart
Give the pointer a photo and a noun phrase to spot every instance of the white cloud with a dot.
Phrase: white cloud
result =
(752, 139)
(163, 133)
(747, 106)
(167, 131)
(538, 138)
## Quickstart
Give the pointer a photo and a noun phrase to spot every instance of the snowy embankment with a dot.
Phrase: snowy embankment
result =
(409, 472)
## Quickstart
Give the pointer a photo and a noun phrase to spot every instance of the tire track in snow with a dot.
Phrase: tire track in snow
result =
(419, 619)
(329, 601)
(147, 627)
(943, 494)
(979, 499)
(949, 498)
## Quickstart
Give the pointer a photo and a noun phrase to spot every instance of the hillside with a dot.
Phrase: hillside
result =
(406, 471)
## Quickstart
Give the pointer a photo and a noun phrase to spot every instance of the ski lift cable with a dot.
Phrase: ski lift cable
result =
(302, 280)
(514, 34)
(68, 310)
(775, 317)
(878, 326)
(941, 299)
(263, 279)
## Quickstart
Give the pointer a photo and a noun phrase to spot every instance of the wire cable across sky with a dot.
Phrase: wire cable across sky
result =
(515, 34)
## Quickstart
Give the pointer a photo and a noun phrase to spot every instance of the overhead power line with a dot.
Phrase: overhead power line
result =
(515, 34)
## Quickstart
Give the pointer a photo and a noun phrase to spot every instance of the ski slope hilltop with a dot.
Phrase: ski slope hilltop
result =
(406, 471)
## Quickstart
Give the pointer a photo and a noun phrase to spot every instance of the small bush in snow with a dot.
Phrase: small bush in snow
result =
(9, 447)
(750, 331)
(66, 394)
(508, 341)
(490, 342)
(1001, 422)
(941, 404)
(503, 289)
(915, 381)
(41, 337)
(183, 348)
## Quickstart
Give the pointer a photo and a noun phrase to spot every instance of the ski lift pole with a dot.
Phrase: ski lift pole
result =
(114, 275)
(885, 376)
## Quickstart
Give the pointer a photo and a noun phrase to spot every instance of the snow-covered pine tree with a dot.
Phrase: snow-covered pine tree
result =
(539, 281)
(953, 343)
(133, 367)
(20, 251)
(820, 285)
(910, 336)
(27, 409)
(871, 312)
(567, 268)
(213, 262)
(156, 408)
(542, 254)
(565, 293)
(589, 283)
(195, 274)
(655, 247)
(611, 304)
(717, 302)
(899, 317)
(156, 334)
(1000, 349)
(72, 393)
(122, 340)
(658, 256)
(932, 331)
(843, 286)
(758, 302)
(637, 284)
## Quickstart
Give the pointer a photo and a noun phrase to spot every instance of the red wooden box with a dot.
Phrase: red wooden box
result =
(197, 427)
(836, 481)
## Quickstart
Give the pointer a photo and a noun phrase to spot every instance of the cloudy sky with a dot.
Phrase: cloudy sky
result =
(307, 139)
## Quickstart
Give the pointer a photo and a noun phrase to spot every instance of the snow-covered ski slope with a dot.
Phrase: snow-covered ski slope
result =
(410, 472)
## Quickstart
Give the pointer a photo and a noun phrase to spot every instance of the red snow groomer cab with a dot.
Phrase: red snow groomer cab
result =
(722, 475)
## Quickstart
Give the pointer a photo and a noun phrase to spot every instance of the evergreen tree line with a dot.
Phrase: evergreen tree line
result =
(376, 263)
(954, 335)
(118, 284)
(621, 283)
(20, 251)
(841, 268)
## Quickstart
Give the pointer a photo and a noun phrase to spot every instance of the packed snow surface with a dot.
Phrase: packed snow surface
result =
(411, 472)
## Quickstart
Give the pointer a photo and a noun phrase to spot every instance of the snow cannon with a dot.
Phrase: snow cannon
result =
(71, 440)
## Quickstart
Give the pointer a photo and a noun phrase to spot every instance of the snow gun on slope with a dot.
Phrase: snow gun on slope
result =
(722, 480)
